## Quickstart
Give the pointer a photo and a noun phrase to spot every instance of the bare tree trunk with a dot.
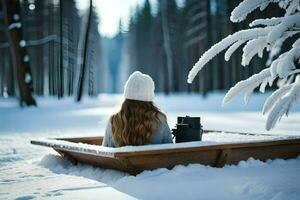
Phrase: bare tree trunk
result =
(2, 71)
(167, 45)
(11, 9)
(84, 62)
(220, 60)
(61, 60)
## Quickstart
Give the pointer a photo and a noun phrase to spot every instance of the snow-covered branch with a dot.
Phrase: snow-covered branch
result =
(276, 47)
(233, 48)
(223, 44)
(285, 63)
(284, 104)
(247, 86)
(28, 43)
(248, 6)
(292, 7)
(271, 100)
(44, 40)
(270, 36)
(288, 23)
(15, 25)
(253, 47)
(266, 22)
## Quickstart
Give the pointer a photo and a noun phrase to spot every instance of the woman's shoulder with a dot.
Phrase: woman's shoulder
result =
(162, 125)
(163, 131)
(162, 117)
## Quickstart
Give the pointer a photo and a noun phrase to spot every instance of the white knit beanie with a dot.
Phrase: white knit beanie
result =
(140, 87)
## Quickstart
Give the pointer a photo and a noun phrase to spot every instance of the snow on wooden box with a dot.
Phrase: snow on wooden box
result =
(148, 157)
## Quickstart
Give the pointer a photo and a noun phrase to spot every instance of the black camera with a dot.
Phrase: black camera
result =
(187, 129)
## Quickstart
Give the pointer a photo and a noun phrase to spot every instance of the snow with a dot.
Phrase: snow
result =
(31, 6)
(283, 105)
(16, 17)
(15, 25)
(27, 78)
(266, 22)
(253, 47)
(292, 7)
(26, 58)
(232, 49)
(279, 93)
(246, 7)
(22, 43)
(29, 171)
(286, 24)
(286, 63)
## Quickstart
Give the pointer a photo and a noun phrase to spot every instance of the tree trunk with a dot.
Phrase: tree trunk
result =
(208, 44)
(11, 9)
(84, 62)
(61, 57)
(167, 45)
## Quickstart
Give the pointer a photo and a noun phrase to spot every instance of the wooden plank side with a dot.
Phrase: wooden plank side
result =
(210, 147)
(222, 158)
(216, 156)
(169, 160)
(263, 153)
(95, 160)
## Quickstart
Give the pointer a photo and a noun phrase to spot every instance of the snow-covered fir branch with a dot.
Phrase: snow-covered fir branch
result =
(274, 50)
(283, 104)
(253, 47)
(247, 86)
(248, 6)
(264, 34)
(271, 100)
(233, 48)
(266, 22)
(223, 44)
(288, 23)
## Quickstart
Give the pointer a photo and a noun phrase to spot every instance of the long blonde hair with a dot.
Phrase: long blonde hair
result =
(135, 123)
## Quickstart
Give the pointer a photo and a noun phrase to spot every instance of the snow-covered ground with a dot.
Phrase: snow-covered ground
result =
(28, 171)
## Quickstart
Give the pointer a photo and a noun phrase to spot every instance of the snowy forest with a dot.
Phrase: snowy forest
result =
(65, 55)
